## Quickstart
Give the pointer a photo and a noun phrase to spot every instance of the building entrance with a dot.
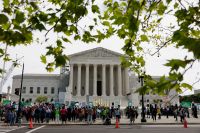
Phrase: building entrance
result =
(99, 88)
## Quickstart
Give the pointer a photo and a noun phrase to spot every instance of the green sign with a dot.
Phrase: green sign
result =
(57, 104)
(186, 104)
(24, 104)
(6, 102)
(129, 103)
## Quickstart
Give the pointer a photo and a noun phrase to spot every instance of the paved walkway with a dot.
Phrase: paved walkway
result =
(125, 121)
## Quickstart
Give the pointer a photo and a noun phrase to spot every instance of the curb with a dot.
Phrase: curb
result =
(85, 124)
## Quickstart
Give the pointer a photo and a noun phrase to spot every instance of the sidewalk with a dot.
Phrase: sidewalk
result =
(125, 121)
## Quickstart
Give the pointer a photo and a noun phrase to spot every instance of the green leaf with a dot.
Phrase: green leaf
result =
(175, 64)
(34, 5)
(49, 67)
(43, 16)
(28, 36)
(43, 59)
(3, 19)
(95, 9)
(40, 26)
(106, 23)
(1, 52)
(77, 37)
(66, 40)
(151, 83)
(6, 58)
(59, 43)
(161, 8)
(91, 27)
(168, 1)
(144, 38)
(60, 60)
(19, 17)
(185, 85)
(176, 5)
(6, 3)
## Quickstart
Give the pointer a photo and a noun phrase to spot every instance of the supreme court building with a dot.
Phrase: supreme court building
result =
(93, 76)
(97, 76)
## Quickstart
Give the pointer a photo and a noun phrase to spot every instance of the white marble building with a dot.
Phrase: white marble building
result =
(35, 85)
(94, 75)
(97, 74)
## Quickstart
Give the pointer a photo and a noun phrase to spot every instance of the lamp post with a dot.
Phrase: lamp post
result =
(20, 92)
(141, 79)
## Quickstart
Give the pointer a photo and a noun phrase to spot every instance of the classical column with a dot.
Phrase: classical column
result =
(79, 81)
(71, 78)
(111, 80)
(87, 80)
(126, 81)
(103, 80)
(119, 81)
(95, 80)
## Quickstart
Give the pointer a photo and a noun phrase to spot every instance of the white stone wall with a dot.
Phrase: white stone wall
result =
(134, 85)
(37, 82)
(173, 97)
(197, 91)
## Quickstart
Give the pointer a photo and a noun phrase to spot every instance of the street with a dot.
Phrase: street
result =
(109, 129)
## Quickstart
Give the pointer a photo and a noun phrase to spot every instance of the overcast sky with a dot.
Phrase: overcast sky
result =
(154, 64)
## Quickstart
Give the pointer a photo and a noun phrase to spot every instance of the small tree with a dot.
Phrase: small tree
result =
(41, 99)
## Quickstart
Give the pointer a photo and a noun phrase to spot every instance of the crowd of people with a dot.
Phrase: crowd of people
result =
(48, 112)
(154, 112)
(44, 113)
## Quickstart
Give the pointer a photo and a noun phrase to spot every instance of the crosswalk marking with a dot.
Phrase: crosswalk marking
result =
(35, 129)
(6, 129)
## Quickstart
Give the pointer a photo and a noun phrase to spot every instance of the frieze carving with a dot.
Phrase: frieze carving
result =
(99, 53)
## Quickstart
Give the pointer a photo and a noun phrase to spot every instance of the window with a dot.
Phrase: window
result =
(30, 100)
(38, 90)
(45, 90)
(52, 90)
(24, 90)
(31, 90)
(161, 100)
(147, 100)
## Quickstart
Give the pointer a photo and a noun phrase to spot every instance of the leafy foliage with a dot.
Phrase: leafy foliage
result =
(137, 22)
(41, 99)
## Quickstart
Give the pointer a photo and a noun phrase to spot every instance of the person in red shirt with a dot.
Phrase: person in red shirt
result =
(63, 113)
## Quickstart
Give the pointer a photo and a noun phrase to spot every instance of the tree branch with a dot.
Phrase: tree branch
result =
(59, 10)
(196, 82)
(161, 47)
(181, 4)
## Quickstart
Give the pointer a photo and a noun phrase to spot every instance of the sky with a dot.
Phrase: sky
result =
(154, 64)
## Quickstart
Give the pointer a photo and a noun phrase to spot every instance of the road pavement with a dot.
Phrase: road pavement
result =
(110, 129)
(5, 129)
(125, 121)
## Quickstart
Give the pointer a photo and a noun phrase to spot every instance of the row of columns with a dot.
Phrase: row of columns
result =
(119, 83)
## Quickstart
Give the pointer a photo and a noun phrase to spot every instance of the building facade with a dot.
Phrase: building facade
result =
(92, 76)
(97, 76)
(35, 85)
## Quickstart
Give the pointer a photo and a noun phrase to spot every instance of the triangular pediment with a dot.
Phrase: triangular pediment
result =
(97, 52)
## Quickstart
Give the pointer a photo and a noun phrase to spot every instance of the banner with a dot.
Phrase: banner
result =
(6, 102)
(186, 104)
